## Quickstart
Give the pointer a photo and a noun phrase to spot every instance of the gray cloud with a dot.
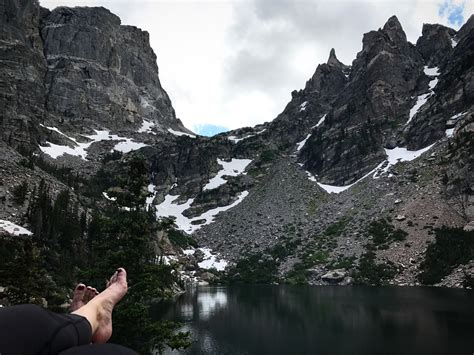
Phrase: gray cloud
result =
(268, 34)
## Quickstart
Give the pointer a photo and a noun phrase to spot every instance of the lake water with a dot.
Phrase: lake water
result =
(325, 320)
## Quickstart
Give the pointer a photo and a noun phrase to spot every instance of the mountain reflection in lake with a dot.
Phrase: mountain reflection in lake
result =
(325, 320)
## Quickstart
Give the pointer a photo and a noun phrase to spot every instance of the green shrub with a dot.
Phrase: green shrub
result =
(253, 269)
(372, 273)
(451, 248)
(181, 240)
(19, 192)
(383, 233)
(337, 228)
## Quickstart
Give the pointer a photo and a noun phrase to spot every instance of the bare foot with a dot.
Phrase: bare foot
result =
(98, 310)
(116, 289)
(81, 296)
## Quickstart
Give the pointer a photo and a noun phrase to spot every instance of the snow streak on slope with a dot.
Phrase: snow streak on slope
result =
(320, 122)
(235, 139)
(301, 144)
(234, 167)
(170, 208)
(394, 156)
(303, 106)
(80, 149)
(179, 133)
(421, 100)
(13, 228)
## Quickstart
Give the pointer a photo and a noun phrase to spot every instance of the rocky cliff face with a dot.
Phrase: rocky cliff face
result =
(99, 68)
(22, 94)
(381, 139)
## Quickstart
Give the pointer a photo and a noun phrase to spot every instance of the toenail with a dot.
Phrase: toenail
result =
(119, 271)
(80, 287)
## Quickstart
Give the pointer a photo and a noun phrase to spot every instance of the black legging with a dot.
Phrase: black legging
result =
(32, 330)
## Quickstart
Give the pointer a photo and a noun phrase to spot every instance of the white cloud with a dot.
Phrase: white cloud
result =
(235, 63)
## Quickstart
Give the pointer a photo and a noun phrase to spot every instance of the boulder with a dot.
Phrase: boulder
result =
(334, 276)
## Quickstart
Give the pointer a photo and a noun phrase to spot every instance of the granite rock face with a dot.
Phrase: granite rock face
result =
(454, 92)
(435, 43)
(77, 68)
(22, 69)
(101, 72)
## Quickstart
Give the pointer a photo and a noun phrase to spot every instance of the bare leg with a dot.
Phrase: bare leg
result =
(98, 311)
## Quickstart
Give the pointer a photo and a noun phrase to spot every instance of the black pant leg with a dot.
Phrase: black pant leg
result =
(32, 330)
(99, 349)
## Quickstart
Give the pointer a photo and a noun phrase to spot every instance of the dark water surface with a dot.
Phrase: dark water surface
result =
(325, 320)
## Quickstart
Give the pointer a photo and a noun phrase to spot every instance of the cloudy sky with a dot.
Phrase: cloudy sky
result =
(233, 63)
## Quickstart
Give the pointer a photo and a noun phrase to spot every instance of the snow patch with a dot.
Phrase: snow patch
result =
(303, 106)
(454, 43)
(13, 228)
(128, 146)
(80, 149)
(431, 71)
(169, 259)
(398, 154)
(170, 208)
(236, 139)
(449, 132)
(458, 115)
(301, 144)
(212, 261)
(234, 167)
(146, 127)
(109, 197)
(320, 122)
(421, 99)
(179, 133)
(151, 197)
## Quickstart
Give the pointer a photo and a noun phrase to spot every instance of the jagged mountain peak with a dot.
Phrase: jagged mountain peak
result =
(435, 43)
(83, 15)
(332, 60)
(466, 28)
(394, 30)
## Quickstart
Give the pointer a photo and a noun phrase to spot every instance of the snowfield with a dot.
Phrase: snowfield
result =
(80, 149)
(170, 208)
(234, 167)
(13, 228)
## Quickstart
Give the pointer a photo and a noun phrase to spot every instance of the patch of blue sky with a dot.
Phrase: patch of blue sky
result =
(209, 130)
(453, 12)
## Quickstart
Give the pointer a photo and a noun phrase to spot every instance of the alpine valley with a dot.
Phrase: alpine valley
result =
(365, 177)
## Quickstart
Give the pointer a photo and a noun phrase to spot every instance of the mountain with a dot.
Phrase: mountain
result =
(353, 181)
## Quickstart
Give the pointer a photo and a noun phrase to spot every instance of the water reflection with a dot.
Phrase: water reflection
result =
(202, 304)
(326, 320)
